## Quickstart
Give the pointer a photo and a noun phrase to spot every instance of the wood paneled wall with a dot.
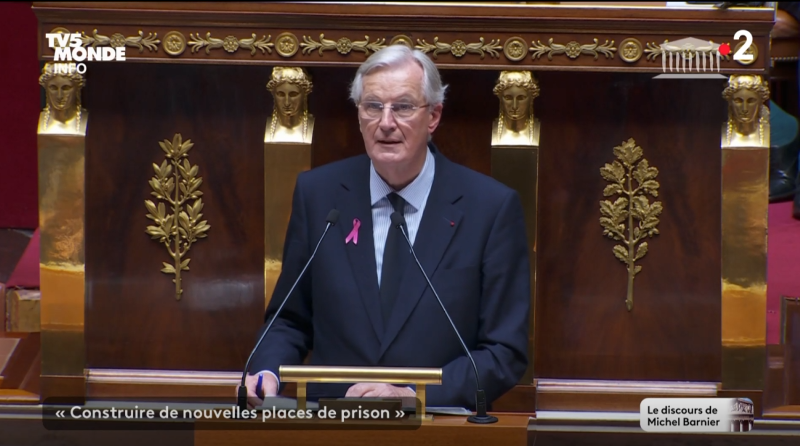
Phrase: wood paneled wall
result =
(583, 329)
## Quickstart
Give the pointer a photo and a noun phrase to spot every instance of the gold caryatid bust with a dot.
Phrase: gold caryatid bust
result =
(748, 116)
(516, 125)
(290, 121)
(63, 113)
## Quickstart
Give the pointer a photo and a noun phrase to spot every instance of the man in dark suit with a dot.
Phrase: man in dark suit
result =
(363, 301)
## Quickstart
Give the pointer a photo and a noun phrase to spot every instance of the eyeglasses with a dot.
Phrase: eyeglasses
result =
(401, 110)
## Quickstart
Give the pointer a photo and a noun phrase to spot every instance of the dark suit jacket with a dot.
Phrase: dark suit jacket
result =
(472, 244)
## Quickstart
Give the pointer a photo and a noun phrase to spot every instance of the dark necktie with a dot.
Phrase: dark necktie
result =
(395, 255)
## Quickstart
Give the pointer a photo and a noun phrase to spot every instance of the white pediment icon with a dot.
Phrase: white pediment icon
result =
(689, 43)
(689, 51)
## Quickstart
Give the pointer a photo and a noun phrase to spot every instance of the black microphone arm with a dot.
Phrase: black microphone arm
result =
(480, 417)
(333, 217)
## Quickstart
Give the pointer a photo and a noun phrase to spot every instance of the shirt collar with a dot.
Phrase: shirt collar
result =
(414, 193)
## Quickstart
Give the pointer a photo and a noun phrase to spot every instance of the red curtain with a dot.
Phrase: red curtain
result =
(19, 115)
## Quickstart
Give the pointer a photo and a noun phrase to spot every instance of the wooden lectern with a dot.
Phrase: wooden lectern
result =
(613, 322)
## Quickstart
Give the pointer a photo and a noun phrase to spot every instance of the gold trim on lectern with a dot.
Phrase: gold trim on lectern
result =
(302, 375)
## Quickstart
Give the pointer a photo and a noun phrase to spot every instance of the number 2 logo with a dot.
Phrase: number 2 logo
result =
(741, 54)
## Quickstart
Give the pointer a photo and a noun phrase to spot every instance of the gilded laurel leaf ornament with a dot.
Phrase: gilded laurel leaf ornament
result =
(459, 48)
(342, 46)
(231, 44)
(572, 49)
(176, 185)
(118, 40)
(631, 218)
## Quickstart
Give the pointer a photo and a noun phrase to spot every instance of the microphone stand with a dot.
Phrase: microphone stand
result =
(480, 417)
(241, 397)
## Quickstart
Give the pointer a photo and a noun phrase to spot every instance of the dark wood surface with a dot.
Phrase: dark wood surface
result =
(583, 330)
(592, 438)
(520, 399)
(30, 431)
(774, 385)
(448, 23)
(20, 369)
(132, 317)
(759, 21)
(510, 430)
(136, 322)
(218, 99)
(15, 369)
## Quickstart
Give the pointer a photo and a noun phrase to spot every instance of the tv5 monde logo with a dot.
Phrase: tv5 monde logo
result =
(685, 57)
(70, 52)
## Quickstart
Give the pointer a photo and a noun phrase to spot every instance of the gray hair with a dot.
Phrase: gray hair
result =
(395, 55)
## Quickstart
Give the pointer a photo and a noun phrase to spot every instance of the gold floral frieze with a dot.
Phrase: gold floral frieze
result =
(459, 48)
(630, 50)
(174, 43)
(572, 49)
(343, 46)
(286, 44)
(176, 185)
(515, 49)
(231, 44)
(631, 218)
(118, 40)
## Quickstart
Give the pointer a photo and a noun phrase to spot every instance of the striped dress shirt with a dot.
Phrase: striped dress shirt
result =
(415, 195)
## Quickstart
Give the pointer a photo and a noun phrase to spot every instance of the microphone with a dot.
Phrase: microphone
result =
(480, 417)
(333, 217)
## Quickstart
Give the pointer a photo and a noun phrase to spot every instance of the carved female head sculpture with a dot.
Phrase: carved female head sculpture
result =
(747, 112)
(63, 97)
(290, 87)
(516, 91)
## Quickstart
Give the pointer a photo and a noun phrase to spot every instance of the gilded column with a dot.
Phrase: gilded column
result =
(515, 159)
(287, 152)
(61, 152)
(745, 191)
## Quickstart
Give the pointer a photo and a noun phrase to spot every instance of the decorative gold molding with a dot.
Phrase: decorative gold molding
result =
(343, 45)
(118, 40)
(630, 50)
(402, 39)
(752, 50)
(59, 30)
(572, 49)
(174, 43)
(286, 44)
(176, 184)
(515, 49)
(231, 44)
(458, 48)
(632, 204)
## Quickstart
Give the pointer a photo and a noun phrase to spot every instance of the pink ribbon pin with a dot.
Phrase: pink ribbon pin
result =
(354, 233)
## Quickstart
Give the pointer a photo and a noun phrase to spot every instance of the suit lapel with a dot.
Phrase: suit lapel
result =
(440, 221)
(354, 203)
